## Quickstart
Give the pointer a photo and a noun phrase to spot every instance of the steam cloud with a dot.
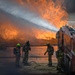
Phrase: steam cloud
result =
(23, 13)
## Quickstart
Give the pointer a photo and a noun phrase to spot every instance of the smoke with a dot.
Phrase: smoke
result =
(70, 6)
(21, 12)
(48, 10)
(16, 29)
(31, 19)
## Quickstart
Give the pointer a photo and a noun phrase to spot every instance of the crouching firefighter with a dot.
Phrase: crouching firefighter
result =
(26, 49)
(17, 54)
(59, 56)
(50, 51)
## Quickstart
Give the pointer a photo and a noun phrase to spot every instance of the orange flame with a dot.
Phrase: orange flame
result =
(8, 32)
(49, 10)
(43, 34)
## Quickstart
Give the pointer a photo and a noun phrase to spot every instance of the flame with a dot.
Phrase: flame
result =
(45, 35)
(8, 32)
(50, 10)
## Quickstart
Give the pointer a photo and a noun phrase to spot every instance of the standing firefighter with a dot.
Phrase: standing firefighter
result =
(26, 49)
(59, 56)
(50, 51)
(17, 54)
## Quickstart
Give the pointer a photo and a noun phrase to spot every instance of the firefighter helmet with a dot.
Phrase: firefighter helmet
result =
(18, 45)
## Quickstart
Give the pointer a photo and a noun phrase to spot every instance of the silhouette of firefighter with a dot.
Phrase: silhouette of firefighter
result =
(17, 54)
(59, 56)
(26, 49)
(50, 51)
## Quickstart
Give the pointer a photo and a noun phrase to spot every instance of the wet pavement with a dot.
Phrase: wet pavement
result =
(7, 67)
(36, 66)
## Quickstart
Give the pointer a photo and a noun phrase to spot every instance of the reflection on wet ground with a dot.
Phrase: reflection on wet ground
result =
(37, 60)
(36, 54)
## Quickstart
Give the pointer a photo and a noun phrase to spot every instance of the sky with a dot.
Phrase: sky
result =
(31, 19)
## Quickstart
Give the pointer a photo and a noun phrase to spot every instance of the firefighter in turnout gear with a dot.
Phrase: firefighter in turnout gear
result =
(17, 54)
(50, 51)
(59, 56)
(26, 49)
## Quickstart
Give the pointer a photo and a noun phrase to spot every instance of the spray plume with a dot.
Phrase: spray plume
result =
(20, 12)
(51, 15)
(51, 10)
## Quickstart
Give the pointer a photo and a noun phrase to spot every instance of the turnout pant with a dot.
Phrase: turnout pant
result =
(17, 60)
(25, 59)
(50, 59)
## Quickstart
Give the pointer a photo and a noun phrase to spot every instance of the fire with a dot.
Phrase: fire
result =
(50, 10)
(8, 32)
(45, 35)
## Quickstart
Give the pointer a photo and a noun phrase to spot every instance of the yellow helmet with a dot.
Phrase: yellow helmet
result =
(18, 45)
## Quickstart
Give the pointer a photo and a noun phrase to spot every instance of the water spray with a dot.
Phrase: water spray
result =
(21, 12)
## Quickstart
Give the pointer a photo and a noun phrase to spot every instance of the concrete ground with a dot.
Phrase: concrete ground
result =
(36, 66)
(7, 67)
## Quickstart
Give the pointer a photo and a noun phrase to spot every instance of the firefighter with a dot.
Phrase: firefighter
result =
(59, 56)
(17, 54)
(26, 49)
(50, 51)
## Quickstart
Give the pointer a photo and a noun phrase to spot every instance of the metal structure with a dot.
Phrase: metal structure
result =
(66, 39)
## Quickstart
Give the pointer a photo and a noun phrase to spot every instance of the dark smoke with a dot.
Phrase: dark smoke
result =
(70, 6)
